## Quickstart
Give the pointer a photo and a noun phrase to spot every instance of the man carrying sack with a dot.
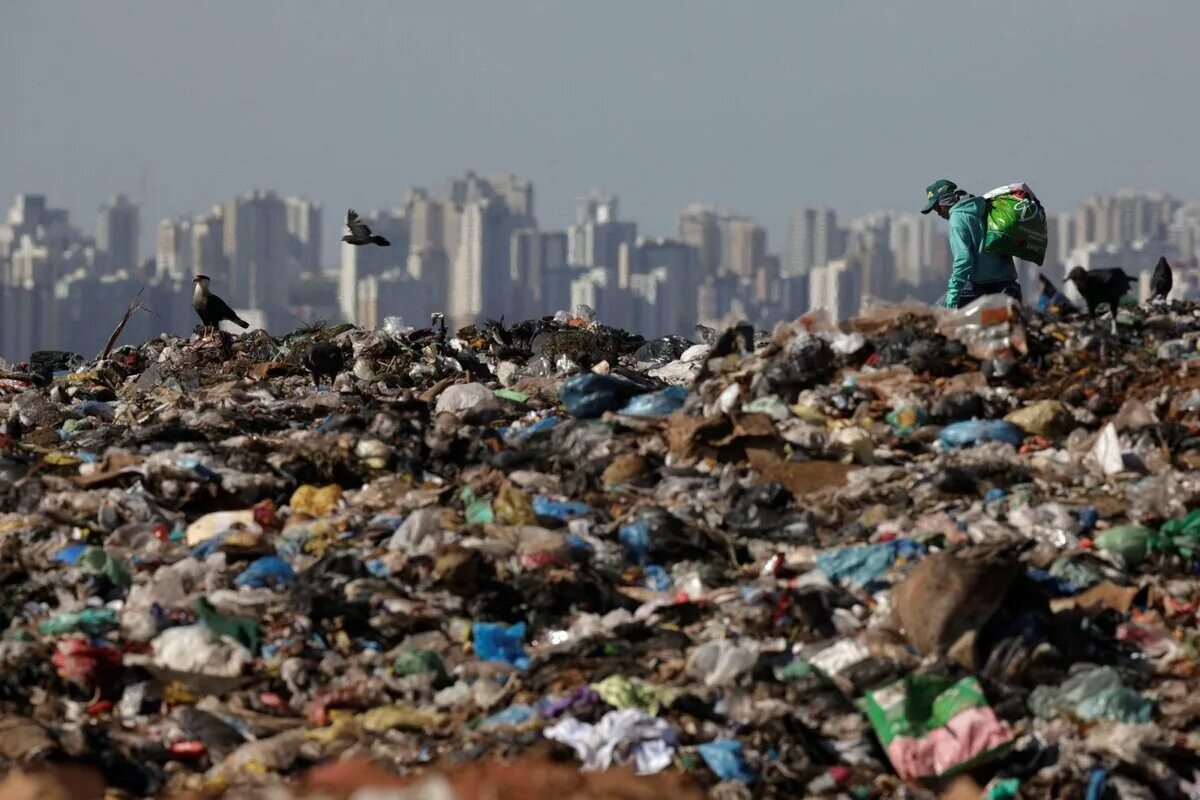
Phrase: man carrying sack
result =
(976, 270)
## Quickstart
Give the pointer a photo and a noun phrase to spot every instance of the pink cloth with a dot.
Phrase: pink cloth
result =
(964, 737)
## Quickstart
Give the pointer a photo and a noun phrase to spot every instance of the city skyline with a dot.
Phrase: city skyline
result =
(667, 103)
(332, 227)
(473, 247)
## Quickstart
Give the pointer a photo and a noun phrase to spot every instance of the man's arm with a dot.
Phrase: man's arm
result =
(964, 256)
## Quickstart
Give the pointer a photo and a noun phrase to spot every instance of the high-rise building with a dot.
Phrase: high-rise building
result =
(813, 239)
(720, 299)
(1124, 216)
(526, 264)
(517, 194)
(480, 274)
(743, 245)
(424, 220)
(208, 245)
(1184, 232)
(431, 268)
(596, 237)
(173, 256)
(680, 263)
(117, 234)
(304, 228)
(700, 229)
(556, 286)
(656, 304)
(394, 293)
(257, 250)
(554, 249)
(1060, 239)
(836, 289)
(269, 241)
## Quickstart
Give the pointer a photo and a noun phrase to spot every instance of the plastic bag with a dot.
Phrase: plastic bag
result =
(1016, 224)
(657, 404)
(1131, 542)
(725, 758)
(976, 431)
(590, 395)
(496, 642)
(268, 571)
(1092, 694)
(990, 328)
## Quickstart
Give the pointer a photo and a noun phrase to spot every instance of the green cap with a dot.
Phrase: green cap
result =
(940, 191)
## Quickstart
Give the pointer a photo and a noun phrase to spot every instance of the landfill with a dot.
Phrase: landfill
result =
(924, 553)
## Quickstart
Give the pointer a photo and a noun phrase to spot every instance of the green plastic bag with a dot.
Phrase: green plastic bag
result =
(1016, 225)
(1131, 542)
(1181, 535)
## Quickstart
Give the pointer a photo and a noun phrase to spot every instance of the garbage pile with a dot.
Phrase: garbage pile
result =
(927, 553)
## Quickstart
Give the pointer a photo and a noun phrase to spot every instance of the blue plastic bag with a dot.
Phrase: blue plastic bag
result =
(657, 404)
(657, 578)
(864, 564)
(498, 642)
(70, 554)
(510, 717)
(636, 538)
(725, 758)
(266, 572)
(542, 425)
(588, 396)
(977, 431)
(545, 507)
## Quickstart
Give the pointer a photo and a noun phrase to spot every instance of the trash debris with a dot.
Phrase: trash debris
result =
(550, 556)
(932, 726)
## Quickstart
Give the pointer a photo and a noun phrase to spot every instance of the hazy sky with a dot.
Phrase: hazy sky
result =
(754, 106)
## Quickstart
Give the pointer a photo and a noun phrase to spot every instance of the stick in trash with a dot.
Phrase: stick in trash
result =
(134, 305)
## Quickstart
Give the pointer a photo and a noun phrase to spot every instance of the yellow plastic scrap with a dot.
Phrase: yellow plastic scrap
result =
(176, 694)
(387, 718)
(622, 693)
(319, 542)
(809, 414)
(340, 726)
(60, 459)
(316, 501)
(513, 507)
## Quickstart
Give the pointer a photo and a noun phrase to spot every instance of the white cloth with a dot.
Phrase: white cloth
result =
(619, 738)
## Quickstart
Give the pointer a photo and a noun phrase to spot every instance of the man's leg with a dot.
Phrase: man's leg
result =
(969, 294)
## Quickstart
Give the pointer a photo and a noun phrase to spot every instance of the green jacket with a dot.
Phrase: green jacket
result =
(967, 224)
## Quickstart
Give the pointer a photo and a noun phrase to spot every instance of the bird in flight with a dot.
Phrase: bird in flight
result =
(359, 233)
(212, 309)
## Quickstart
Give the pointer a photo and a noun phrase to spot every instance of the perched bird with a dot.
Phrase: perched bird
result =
(498, 333)
(1162, 280)
(439, 319)
(1101, 286)
(359, 233)
(212, 309)
(321, 359)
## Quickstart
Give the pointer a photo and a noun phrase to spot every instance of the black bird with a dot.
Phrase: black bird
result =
(212, 309)
(359, 233)
(321, 359)
(1162, 280)
(1101, 286)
